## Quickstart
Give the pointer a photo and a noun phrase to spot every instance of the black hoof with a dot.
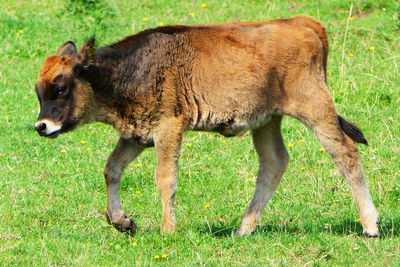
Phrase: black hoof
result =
(128, 228)
(366, 234)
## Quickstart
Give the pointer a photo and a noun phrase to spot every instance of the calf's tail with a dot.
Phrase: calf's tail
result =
(352, 131)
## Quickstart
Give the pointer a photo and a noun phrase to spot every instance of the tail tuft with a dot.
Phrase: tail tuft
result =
(352, 131)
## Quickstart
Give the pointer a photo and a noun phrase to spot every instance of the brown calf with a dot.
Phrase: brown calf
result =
(227, 78)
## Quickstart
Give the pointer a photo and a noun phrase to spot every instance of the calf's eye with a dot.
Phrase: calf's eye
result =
(61, 89)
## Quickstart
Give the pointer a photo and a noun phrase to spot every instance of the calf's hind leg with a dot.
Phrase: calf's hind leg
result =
(123, 154)
(345, 154)
(317, 111)
(273, 159)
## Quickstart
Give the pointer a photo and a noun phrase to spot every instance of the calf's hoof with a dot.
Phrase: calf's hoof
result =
(246, 228)
(128, 227)
(243, 232)
(371, 230)
(370, 235)
(168, 228)
(124, 224)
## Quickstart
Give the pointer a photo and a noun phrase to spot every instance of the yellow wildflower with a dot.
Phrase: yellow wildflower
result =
(164, 256)
(223, 141)
(157, 256)
(21, 31)
(290, 145)
(207, 206)
(372, 48)
(188, 144)
(322, 149)
(350, 55)
(83, 142)
(302, 168)
(161, 23)
(137, 192)
(63, 151)
(351, 18)
(88, 149)
(134, 244)
(144, 19)
(191, 14)
(203, 5)
(137, 165)
(301, 140)
(358, 220)
(209, 158)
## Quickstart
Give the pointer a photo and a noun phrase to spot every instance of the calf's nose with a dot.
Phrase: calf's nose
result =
(41, 127)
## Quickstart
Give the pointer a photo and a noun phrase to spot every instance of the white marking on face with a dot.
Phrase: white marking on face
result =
(51, 126)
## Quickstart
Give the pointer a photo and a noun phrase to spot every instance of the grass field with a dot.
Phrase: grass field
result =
(53, 191)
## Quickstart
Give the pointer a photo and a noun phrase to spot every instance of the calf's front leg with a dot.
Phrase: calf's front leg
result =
(167, 144)
(123, 154)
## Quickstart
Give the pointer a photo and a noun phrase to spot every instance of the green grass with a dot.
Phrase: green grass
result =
(50, 201)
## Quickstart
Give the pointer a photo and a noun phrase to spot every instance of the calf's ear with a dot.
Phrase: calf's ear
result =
(85, 67)
(67, 49)
(86, 52)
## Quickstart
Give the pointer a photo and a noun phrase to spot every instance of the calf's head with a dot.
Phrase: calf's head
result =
(65, 97)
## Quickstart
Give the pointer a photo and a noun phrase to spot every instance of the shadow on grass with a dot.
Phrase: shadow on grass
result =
(388, 228)
(229, 229)
(218, 229)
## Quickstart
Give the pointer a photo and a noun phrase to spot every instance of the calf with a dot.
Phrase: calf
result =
(227, 78)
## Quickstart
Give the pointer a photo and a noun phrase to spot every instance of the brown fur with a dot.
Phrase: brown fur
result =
(228, 78)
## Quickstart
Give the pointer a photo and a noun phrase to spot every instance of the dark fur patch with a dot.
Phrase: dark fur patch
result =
(352, 131)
